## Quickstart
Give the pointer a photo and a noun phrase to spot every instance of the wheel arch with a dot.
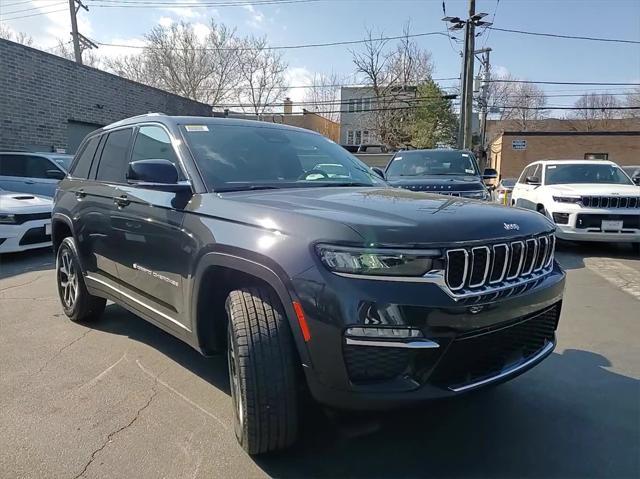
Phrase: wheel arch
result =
(61, 227)
(219, 273)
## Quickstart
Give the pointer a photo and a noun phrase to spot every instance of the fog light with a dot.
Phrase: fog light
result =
(386, 333)
(561, 218)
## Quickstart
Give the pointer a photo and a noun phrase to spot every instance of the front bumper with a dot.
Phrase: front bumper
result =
(585, 224)
(25, 236)
(477, 343)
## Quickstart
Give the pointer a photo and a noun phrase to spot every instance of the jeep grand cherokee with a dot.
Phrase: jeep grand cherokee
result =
(229, 235)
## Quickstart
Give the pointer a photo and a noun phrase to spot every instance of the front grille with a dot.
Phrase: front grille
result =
(585, 220)
(35, 236)
(480, 269)
(370, 363)
(611, 201)
(486, 353)
(23, 218)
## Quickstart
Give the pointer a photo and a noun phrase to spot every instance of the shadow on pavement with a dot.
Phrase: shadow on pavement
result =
(13, 264)
(570, 255)
(117, 320)
(569, 417)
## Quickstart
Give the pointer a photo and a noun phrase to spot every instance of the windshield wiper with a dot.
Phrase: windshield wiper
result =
(343, 183)
(227, 189)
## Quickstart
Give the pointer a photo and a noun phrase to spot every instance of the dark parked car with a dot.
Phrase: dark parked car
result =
(34, 173)
(443, 171)
(229, 235)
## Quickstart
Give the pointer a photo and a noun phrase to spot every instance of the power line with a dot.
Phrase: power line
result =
(279, 47)
(493, 19)
(500, 80)
(192, 4)
(34, 14)
(32, 9)
(572, 37)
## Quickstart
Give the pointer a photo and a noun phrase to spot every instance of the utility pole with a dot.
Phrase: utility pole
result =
(466, 102)
(79, 41)
(484, 77)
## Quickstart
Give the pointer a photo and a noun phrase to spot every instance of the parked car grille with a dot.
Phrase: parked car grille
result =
(486, 353)
(23, 218)
(481, 269)
(585, 220)
(35, 236)
(611, 201)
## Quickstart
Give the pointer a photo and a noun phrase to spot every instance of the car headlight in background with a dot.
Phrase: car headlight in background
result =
(378, 262)
(477, 195)
(567, 199)
(7, 219)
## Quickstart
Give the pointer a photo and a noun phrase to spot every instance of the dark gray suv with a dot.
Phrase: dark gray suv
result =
(229, 235)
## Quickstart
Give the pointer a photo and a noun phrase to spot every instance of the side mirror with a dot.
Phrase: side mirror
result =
(533, 180)
(378, 171)
(636, 180)
(489, 174)
(55, 174)
(152, 171)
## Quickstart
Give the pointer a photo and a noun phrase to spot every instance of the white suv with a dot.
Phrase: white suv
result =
(587, 200)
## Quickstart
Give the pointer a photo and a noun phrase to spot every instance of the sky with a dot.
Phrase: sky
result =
(313, 21)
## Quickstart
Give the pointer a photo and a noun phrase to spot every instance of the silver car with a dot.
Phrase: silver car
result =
(34, 173)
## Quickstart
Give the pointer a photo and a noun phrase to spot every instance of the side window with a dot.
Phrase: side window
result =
(153, 143)
(83, 163)
(524, 174)
(113, 161)
(537, 171)
(37, 166)
(13, 165)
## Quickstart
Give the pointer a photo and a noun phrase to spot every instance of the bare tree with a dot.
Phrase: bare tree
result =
(323, 96)
(595, 110)
(520, 102)
(262, 76)
(393, 76)
(7, 33)
(133, 67)
(633, 101)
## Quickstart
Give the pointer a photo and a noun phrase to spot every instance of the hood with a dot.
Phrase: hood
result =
(591, 189)
(438, 183)
(384, 216)
(23, 203)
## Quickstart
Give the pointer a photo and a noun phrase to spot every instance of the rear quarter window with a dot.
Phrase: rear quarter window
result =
(82, 165)
(114, 159)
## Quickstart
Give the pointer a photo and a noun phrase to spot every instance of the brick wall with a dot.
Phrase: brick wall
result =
(622, 148)
(41, 95)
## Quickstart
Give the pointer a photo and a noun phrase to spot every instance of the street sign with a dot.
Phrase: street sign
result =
(519, 144)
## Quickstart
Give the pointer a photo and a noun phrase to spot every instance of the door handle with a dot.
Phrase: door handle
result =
(121, 201)
(80, 194)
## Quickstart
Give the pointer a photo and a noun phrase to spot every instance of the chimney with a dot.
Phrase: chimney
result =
(288, 106)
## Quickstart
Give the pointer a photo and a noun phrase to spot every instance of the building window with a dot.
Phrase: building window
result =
(365, 137)
(358, 137)
(596, 156)
(366, 104)
(349, 137)
(352, 105)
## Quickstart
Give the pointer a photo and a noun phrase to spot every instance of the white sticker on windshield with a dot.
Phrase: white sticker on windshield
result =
(465, 155)
(468, 171)
(397, 158)
(551, 167)
(192, 128)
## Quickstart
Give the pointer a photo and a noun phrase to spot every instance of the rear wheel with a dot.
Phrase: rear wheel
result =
(77, 303)
(261, 371)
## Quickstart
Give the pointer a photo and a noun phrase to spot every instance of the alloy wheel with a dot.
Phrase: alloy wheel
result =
(67, 279)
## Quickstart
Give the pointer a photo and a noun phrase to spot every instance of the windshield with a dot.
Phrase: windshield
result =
(432, 162)
(585, 173)
(63, 161)
(238, 157)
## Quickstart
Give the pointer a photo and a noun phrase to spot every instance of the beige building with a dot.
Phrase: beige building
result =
(511, 150)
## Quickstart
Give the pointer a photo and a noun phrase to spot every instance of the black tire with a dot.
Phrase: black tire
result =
(635, 247)
(77, 303)
(262, 372)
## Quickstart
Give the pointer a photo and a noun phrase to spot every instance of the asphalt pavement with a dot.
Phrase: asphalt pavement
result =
(122, 399)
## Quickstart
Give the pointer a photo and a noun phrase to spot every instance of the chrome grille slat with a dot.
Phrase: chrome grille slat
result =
(506, 267)
(611, 202)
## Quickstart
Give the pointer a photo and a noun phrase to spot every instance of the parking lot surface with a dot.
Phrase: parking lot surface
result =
(120, 398)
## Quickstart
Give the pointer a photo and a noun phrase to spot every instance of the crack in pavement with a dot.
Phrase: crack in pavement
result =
(117, 431)
(22, 284)
(61, 350)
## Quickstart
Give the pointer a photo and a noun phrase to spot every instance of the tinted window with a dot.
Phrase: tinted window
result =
(113, 162)
(83, 163)
(37, 167)
(239, 156)
(432, 162)
(63, 161)
(586, 173)
(12, 165)
(153, 143)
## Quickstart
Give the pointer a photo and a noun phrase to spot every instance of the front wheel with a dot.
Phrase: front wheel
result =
(77, 303)
(261, 371)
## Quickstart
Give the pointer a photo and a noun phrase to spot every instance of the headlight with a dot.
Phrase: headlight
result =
(477, 195)
(378, 262)
(6, 219)
(567, 199)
